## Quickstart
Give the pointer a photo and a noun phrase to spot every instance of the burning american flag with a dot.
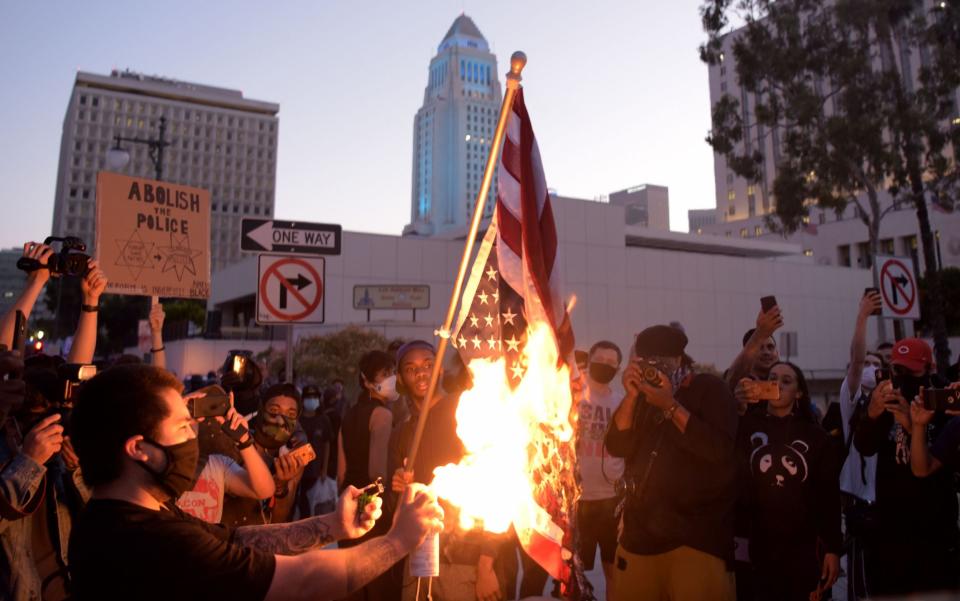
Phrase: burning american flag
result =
(514, 334)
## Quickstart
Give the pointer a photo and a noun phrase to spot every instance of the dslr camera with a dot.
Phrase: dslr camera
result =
(651, 370)
(71, 259)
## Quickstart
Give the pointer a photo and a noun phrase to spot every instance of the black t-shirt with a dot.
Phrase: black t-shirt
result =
(119, 550)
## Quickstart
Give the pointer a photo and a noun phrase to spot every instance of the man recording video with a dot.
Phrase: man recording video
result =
(135, 440)
(676, 432)
(40, 486)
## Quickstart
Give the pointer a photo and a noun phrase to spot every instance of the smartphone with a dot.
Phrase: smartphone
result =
(882, 374)
(215, 402)
(304, 454)
(868, 291)
(768, 302)
(20, 333)
(941, 399)
(766, 390)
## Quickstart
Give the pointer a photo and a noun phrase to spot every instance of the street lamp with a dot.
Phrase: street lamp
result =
(118, 157)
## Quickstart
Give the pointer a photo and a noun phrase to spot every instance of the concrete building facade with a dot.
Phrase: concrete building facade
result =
(698, 218)
(646, 205)
(453, 132)
(219, 141)
(625, 279)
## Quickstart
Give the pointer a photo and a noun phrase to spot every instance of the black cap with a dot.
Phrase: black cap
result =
(662, 341)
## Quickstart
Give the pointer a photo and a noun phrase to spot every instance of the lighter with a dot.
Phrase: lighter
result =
(367, 494)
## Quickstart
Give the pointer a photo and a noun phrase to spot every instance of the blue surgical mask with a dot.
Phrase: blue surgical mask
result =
(311, 403)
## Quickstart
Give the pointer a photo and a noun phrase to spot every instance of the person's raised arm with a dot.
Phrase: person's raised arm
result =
(158, 352)
(253, 480)
(341, 461)
(85, 338)
(36, 280)
(619, 438)
(858, 345)
(922, 462)
(381, 426)
(768, 322)
(334, 574)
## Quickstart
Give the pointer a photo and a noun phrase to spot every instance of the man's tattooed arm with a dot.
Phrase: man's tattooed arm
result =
(290, 539)
(371, 559)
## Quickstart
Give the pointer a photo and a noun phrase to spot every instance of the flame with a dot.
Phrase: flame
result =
(518, 443)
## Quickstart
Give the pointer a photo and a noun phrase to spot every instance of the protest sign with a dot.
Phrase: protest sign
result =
(153, 237)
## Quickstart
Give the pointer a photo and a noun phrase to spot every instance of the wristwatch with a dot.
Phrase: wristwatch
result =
(668, 413)
(89, 308)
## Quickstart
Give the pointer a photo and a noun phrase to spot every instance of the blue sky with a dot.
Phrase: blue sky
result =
(615, 89)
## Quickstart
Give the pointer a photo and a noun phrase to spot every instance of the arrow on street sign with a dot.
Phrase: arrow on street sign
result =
(300, 282)
(296, 237)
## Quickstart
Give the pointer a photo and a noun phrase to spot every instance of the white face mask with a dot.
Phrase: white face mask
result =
(311, 403)
(868, 379)
(388, 388)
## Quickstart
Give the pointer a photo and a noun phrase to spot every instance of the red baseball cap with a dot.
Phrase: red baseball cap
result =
(912, 353)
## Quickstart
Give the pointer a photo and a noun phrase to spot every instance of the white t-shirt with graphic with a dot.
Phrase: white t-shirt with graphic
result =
(205, 501)
(598, 470)
(859, 474)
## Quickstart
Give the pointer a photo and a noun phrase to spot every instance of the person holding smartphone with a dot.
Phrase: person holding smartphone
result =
(789, 495)
(219, 475)
(926, 460)
(913, 545)
(759, 354)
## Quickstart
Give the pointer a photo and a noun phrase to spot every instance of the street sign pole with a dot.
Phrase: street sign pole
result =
(289, 371)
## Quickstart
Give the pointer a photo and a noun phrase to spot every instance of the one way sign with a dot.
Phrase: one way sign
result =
(296, 237)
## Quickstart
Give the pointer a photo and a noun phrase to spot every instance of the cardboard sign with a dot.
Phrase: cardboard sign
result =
(153, 238)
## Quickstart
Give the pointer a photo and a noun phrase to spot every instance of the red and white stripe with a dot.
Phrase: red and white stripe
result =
(526, 231)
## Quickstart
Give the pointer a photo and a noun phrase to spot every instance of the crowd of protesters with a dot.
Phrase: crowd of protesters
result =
(693, 486)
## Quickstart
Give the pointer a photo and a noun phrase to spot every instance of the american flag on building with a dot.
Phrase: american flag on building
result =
(513, 284)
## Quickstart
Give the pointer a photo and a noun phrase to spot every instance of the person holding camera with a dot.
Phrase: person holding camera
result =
(912, 546)
(945, 452)
(677, 433)
(41, 489)
(137, 447)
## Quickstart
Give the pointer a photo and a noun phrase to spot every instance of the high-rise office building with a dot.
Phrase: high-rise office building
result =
(219, 141)
(646, 205)
(453, 131)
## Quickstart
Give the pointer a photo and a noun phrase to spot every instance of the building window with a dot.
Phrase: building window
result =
(807, 252)
(732, 195)
(863, 255)
(758, 230)
(83, 99)
(743, 232)
(732, 210)
(843, 255)
(886, 246)
(806, 220)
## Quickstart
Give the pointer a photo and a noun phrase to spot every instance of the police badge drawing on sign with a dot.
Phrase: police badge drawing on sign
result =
(153, 237)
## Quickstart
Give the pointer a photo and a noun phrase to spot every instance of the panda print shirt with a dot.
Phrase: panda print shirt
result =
(789, 487)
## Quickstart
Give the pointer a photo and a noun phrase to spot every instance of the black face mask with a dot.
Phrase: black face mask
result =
(602, 373)
(180, 474)
(909, 384)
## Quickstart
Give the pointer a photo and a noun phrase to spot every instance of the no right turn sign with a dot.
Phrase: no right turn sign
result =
(898, 288)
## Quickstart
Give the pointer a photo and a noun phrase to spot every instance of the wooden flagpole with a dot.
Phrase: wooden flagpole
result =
(518, 61)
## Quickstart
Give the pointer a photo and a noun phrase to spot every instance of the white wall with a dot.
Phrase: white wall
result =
(620, 290)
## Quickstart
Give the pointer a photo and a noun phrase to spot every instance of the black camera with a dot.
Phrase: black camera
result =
(650, 371)
(71, 259)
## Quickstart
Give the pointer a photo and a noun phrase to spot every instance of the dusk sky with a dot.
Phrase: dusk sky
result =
(615, 89)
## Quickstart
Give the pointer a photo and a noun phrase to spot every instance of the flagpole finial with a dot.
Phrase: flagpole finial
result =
(518, 60)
